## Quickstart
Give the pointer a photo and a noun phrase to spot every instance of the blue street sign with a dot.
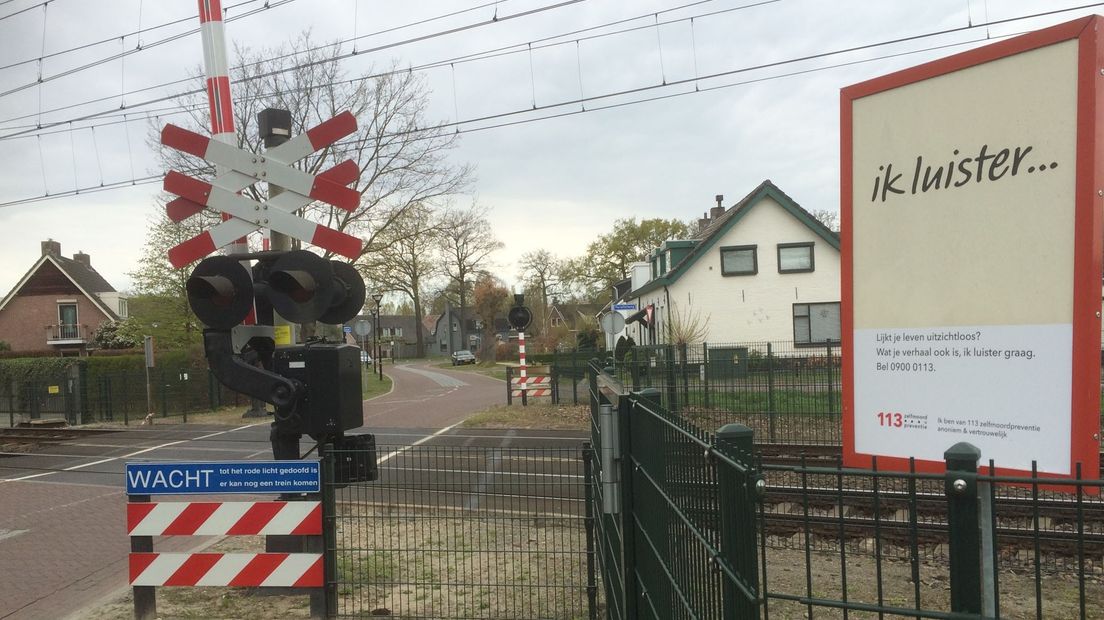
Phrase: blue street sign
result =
(348, 329)
(624, 306)
(223, 477)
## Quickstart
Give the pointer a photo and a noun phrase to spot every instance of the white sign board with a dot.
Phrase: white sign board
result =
(968, 247)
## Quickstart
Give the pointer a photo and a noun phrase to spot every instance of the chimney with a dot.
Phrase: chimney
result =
(51, 247)
(83, 259)
(703, 222)
(718, 210)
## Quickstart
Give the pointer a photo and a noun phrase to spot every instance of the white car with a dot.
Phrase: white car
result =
(364, 357)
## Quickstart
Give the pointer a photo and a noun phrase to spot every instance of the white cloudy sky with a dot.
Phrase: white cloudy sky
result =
(773, 112)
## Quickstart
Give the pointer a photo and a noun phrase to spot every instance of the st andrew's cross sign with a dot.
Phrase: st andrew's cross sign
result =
(275, 166)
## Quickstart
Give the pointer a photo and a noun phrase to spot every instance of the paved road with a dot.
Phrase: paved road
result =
(63, 544)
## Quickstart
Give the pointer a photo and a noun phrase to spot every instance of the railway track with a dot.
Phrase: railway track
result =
(41, 435)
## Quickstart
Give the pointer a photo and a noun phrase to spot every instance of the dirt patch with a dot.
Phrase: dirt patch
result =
(533, 416)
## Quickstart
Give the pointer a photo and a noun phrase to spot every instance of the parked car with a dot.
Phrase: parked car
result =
(364, 357)
(462, 357)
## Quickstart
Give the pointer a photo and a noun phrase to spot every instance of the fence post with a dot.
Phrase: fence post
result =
(671, 387)
(828, 358)
(738, 498)
(589, 521)
(626, 523)
(509, 385)
(705, 375)
(684, 353)
(329, 532)
(960, 485)
(770, 392)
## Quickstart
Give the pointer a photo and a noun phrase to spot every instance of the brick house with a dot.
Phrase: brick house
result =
(58, 304)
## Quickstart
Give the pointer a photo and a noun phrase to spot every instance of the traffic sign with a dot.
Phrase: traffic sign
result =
(348, 329)
(223, 477)
(612, 322)
(624, 306)
(274, 166)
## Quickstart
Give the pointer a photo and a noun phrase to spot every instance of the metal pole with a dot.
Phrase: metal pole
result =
(961, 488)
(521, 369)
(145, 597)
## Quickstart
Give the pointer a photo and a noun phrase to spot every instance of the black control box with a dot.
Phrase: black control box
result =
(331, 374)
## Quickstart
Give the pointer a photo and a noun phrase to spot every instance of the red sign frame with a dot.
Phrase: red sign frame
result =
(1088, 234)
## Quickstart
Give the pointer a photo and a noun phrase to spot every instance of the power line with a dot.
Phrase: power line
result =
(471, 57)
(42, 80)
(457, 125)
(492, 21)
(138, 32)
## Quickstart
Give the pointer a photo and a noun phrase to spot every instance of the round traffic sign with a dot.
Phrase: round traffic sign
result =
(362, 327)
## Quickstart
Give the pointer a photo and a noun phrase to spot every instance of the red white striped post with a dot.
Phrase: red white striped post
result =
(521, 364)
(213, 34)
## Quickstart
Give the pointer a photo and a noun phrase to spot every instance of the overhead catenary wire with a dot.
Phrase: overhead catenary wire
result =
(457, 125)
(534, 11)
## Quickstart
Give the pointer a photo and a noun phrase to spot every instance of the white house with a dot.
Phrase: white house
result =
(764, 269)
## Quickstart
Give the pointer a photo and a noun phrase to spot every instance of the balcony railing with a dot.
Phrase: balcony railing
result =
(66, 334)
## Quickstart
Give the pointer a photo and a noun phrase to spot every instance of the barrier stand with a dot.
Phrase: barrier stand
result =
(148, 569)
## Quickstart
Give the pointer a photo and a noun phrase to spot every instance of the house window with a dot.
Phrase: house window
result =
(739, 260)
(795, 257)
(124, 309)
(816, 323)
(67, 320)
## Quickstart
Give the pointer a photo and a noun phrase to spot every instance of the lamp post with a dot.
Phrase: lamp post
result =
(377, 297)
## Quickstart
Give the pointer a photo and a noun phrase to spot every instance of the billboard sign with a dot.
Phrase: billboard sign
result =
(971, 236)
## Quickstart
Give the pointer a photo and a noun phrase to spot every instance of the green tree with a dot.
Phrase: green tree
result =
(608, 258)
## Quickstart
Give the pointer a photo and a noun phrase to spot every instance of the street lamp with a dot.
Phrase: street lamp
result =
(377, 297)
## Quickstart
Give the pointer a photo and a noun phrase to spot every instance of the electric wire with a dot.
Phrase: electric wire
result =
(695, 79)
(262, 76)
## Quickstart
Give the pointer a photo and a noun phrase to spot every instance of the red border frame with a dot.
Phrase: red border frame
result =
(1088, 233)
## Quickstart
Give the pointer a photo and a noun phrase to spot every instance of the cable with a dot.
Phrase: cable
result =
(696, 79)
(471, 57)
(537, 10)
(42, 80)
(111, 39)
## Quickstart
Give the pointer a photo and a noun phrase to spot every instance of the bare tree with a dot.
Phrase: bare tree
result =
(540, 272)
(407, 259)
(828, 217)
(467, 243)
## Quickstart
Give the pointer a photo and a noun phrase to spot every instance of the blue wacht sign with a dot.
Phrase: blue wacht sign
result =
(223, 477)
(624, 306)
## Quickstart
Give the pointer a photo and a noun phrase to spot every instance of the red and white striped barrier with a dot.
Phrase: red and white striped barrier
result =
(300, 570)
(224, 518)
(535, 386)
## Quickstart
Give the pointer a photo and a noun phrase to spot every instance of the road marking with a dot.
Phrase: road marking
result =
(390, 455)
(5, 534)
(124, 456)
(439, 378)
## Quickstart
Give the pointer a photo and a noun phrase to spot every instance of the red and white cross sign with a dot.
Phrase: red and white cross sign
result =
(275, 167)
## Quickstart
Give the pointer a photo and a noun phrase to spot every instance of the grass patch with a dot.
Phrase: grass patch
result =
(534, 416)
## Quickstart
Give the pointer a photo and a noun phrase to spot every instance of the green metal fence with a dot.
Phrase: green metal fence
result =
(450, 532)
(700, 524)
(79, 397)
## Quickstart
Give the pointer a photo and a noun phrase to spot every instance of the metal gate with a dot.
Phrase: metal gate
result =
(467, 532)
(676, 511)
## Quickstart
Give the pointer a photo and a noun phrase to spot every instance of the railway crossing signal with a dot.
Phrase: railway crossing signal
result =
(274, 166)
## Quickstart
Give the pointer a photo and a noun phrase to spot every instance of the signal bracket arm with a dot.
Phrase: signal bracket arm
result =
(238, 375)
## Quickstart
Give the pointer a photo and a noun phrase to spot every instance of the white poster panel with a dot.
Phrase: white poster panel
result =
(962, 238)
